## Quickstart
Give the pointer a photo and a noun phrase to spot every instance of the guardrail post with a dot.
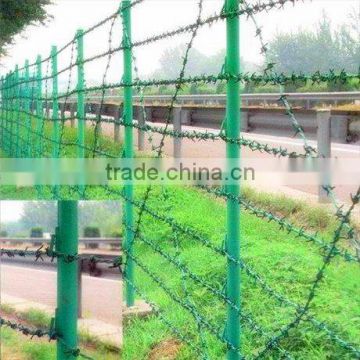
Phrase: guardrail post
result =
(186, 116)
(67, 277)
(129, 150)
(245, 121)
(339, 128)
(47, 109)
(62, 111)
(141, 134)
(72, 114)
(233, 154)
(117, 117)
(177, 127)
(323, 118)
(98, 109)
(149, 112)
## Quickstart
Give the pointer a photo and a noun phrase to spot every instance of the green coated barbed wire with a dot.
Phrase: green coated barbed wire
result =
(28, 331)
(302, 311)
(211, 328)
(284, 331)
(88, 30)
(173, 98)
(250, 10)
(40, 333)
(309, 150)
(191, 135)
(158, 312)
(254, 78)
(216, 292)
(42, 251)
(282, 222)
(249, 271)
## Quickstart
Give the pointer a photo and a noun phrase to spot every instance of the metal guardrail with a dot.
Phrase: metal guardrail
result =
(262, 97)
(44, 240)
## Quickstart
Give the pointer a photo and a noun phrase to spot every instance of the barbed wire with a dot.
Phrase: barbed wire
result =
(35, 142)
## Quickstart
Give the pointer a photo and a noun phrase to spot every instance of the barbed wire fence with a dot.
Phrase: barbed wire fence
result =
(36, 124)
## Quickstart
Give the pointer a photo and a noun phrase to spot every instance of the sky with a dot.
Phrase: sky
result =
(154, 16)
(10, 210)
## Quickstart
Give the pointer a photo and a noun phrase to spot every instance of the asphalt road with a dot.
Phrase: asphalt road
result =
(101, 296)
(217, 149)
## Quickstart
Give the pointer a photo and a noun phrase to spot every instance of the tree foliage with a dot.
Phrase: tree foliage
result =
(15, 15)
(322, 49)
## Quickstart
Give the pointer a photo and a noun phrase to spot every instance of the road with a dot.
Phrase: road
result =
(217, 149)
(101, 296)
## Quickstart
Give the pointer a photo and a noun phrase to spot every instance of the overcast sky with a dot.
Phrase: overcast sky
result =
(10, 210)
(154, 16)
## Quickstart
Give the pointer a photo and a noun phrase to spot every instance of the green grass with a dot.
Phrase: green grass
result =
(40, 319)
(288, 264)
(15, 346)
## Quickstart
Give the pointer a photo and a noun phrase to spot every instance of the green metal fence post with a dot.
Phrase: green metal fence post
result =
(67, 277)
(55, 102)
(28, 119)
(17, 111)
(233, 154)
(39, 106)
(80, 94)
(81, 122)
(5, 113)
(129, 146)
(6, 101)
(12, 112)
(55, 116)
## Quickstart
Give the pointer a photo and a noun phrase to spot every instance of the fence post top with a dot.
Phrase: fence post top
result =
(53, 50)
(79, 32)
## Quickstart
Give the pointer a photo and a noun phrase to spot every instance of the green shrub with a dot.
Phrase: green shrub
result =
(36, 232)
(92, 232)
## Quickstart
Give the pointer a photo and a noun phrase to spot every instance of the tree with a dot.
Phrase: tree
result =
(39, 213)
(198, 63)
(16, 15)
(322, 49)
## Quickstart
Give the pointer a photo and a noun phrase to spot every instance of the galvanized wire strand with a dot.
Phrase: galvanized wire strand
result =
(282, 222)
(193, 233)
(47, 252)
(309, 150)
(174, 260)
(98, 116)
(87, 31)
(246, 78)
(25, 330)
(344, 217)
